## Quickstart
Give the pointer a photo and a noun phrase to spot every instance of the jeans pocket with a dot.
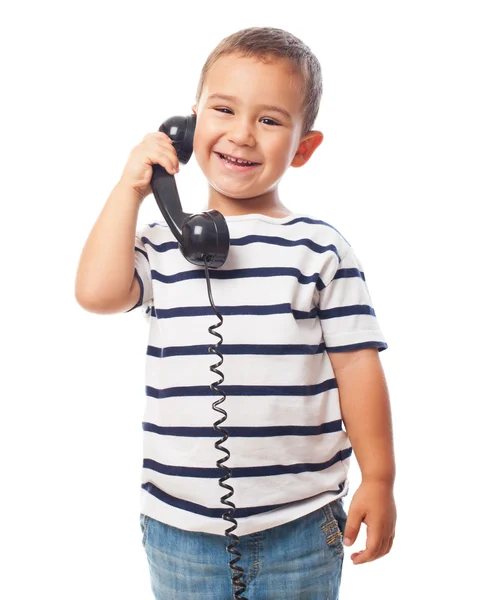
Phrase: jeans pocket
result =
(339, 514)
(334, 525)
(144, 524)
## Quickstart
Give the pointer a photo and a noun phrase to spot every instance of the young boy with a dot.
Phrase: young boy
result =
(301, 347)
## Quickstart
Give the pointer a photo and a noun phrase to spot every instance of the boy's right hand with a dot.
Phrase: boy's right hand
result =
(155, 148)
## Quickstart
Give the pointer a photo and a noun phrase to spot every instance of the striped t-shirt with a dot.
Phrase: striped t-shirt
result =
(290, 290)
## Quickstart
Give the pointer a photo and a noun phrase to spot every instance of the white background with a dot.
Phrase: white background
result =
(404, 172)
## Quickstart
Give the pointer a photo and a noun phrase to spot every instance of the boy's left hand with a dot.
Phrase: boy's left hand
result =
(373, 504)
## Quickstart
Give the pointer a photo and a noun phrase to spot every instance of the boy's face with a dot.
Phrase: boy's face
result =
(246, 125)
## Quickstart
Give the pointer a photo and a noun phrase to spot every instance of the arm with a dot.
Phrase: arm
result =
(365, 409)
(105, 281)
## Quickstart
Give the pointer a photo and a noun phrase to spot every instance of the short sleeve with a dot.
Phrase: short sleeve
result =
(347, 316)
(143, 274)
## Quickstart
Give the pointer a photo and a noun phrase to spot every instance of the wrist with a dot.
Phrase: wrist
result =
(383, 479)
(128, 191)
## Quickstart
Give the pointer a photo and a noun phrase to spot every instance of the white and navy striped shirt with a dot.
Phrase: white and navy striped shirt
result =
(290, 290)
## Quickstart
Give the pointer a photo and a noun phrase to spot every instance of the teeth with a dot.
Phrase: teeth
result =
(236, 160)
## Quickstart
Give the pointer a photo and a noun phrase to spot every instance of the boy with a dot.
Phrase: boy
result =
(301, 345)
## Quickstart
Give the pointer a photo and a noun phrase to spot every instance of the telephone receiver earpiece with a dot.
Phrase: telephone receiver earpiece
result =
(201, 236)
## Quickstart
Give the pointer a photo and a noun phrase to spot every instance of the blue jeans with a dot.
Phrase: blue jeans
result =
(300, 560)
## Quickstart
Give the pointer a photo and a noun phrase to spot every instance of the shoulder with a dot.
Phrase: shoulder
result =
(323, 233)
(317, 224)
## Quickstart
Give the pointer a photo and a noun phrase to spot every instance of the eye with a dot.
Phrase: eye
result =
(221, 109)
(272, 122)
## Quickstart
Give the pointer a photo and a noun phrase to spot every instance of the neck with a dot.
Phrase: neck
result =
(266, 204)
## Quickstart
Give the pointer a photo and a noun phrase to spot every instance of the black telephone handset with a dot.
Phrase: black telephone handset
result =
(203, 239)
(200, 236)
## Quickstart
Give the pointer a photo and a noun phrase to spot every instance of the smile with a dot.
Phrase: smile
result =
(236, 164)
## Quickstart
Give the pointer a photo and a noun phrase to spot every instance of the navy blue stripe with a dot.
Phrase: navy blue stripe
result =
(236, 472)
(141, 295)
(268, 349)
(142, 252)
(163, 247)
(248, 432)
(218, 512)
(348, 347)
(239, 349)
(268, 309)
(279, 241)
(237, 274)
(265, 272)
(311, 221)
(353, 272)
(243, 390)
(345, 311)
(342, 274)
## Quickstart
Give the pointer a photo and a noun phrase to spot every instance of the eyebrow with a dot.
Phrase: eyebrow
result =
(278, 109)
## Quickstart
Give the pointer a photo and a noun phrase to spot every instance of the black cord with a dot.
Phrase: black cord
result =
(238, 585)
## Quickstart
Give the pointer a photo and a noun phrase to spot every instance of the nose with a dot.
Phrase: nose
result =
(240, 133)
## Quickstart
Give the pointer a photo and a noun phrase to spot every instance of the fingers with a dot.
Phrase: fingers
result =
(353, 524)
(374, 549)
(159, 149)
(378, 544)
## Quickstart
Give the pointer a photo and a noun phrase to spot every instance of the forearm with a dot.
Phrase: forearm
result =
(106, 266)
(366, 414)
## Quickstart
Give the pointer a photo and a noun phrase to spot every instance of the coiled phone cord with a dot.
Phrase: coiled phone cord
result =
(238, 585)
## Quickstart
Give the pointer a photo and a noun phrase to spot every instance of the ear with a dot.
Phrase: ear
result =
(194, 109)
(308, 144)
